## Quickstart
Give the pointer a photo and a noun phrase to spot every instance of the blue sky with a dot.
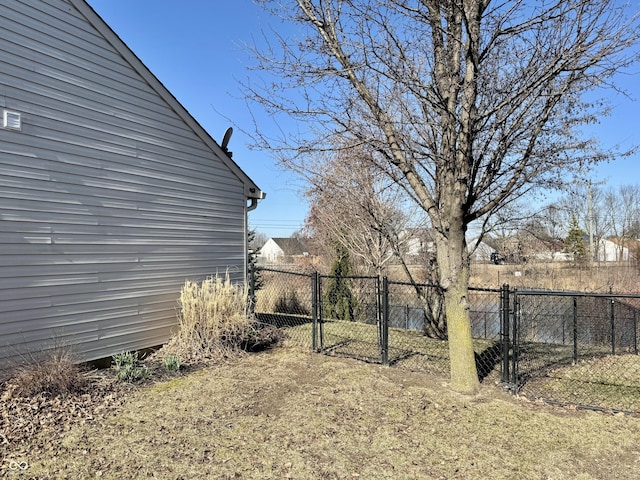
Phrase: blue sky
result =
(195, 48)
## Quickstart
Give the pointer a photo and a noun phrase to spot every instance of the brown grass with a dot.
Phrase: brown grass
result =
(291, 414)
(213, 317)
(599, 278)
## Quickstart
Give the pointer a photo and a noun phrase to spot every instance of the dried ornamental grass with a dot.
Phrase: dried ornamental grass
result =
(213, 315)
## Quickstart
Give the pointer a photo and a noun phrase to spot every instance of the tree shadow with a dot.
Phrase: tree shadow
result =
(488, 359)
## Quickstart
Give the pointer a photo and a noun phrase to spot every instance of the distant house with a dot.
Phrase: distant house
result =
(416, 244)
(112, 194)
(282, 250)
(480, 251)
(612, 251)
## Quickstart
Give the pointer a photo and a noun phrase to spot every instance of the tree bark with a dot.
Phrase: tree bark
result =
(453, 263)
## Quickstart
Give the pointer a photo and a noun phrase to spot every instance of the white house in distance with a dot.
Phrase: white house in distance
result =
(276, 250)
(480, 251)
(610, 251)
(111, 194)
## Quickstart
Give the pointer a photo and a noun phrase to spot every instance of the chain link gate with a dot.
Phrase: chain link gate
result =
(378, 320)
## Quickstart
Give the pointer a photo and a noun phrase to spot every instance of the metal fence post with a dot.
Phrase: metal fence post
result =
(575, 330)
(613, 327)
(406, 317)
(635, 331)
(314, 311)
(515, 331)
(379, 310)
(252, 288)
(504, 327)
(384, 338)
(320, 314)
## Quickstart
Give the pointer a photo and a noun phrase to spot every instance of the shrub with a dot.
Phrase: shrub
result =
(213, 316)
(56, 372)
(128, 367)
(339, 302)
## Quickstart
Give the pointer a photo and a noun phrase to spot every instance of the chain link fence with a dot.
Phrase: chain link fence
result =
(285, 299)
(563, 347)
(371, 319)
(577, 348)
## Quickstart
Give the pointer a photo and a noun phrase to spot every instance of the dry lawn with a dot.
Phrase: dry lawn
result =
(599, 278)
(291, 414)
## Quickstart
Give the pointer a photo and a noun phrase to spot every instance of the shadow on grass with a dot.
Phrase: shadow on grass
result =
(283, 320)
(488, 360)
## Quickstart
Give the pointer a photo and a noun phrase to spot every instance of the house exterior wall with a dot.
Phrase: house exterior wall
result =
(109, 200)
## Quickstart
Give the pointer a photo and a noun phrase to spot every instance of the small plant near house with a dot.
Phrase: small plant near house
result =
(128, 368)
(172, 363)
(56, 372)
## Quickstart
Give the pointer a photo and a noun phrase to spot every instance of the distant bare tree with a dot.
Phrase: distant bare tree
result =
(542, 234)
(355, 206)
(586, 202)
(622, 209)
(258, 240)
(467, 105)
(351, 205)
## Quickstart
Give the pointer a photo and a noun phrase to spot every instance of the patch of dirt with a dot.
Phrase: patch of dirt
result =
(34, 426)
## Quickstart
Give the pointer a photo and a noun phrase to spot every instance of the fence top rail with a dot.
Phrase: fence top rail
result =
(432, 285)
(350, 277)
(288, 272)
(409, 284)
(481, 289)
(564, 293)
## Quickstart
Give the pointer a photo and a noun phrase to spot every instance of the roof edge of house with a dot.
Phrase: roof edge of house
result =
(251, 189)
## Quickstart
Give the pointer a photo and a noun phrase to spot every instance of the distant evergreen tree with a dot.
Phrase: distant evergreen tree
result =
(256, 282)
(574, 243)
(339, 302)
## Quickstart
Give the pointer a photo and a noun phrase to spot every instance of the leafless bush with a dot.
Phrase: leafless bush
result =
(55, 372)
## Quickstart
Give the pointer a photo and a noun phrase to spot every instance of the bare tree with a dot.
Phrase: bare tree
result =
(360, 209)
(586, 202)
(467, 105)
(352, 205)
(543, 233)
(622, 211)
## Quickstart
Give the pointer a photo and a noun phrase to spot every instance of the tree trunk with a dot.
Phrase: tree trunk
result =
(453, 264)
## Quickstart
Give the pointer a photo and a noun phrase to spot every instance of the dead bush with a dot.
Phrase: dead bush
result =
(213, 316)
(263, 337)
(55, 372)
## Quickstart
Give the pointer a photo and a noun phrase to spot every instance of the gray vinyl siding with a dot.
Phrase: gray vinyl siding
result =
(108, 199)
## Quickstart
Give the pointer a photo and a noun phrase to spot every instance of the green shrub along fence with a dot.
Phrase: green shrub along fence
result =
(561, 347)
